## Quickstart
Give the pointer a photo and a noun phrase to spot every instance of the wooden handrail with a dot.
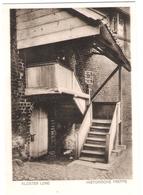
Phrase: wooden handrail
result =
(110, 137)
(84, 128)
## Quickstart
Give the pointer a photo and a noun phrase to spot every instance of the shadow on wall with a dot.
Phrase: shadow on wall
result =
(65, 139)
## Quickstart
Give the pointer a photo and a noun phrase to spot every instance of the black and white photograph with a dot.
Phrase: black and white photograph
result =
(71, 93)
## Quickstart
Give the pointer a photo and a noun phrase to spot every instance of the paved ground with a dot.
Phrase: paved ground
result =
(63, 170)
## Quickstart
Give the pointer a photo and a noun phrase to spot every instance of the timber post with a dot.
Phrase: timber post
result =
(120, 99)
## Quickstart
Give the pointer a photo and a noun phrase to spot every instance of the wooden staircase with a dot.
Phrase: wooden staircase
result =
(94, 147)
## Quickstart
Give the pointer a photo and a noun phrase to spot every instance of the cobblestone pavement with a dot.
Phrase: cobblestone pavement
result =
(59, 170)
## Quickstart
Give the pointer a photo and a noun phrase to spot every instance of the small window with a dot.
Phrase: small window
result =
(113, 23)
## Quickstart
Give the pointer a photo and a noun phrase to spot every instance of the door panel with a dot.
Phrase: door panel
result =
(39, 127)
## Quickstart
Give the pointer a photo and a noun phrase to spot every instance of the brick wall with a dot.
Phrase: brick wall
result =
(102, 67)
(21, 106)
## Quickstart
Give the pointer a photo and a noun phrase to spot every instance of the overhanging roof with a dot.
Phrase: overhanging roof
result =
(105, 40)
(80, 22)
(110, 48)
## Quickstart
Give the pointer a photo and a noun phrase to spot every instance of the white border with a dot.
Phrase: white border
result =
(61, 1)
(72, 187)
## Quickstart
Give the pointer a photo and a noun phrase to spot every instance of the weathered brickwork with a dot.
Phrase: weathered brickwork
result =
(102, 68)
(21, 106)
(81, 59)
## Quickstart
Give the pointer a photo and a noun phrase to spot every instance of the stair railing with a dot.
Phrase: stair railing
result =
(84, 128)
(110, 137)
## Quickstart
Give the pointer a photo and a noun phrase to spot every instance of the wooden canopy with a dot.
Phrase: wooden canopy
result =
(105, 40)
(110, 48)
(46, 26)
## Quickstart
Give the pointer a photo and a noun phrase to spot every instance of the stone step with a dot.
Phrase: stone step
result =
(89, 159)
(93, 152)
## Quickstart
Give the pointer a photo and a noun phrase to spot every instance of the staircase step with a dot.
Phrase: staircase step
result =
(96, 139)
(107, 121)
(94, 145)
(99, 127)
(93, 152)
(92, 159)
(97, 133)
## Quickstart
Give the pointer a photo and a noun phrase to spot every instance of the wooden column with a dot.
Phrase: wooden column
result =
(120, 99)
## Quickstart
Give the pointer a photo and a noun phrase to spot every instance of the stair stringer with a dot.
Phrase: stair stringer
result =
(94, 146)
(84, 128)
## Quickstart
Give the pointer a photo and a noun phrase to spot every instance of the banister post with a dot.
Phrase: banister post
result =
(116, 143)
(91, 114)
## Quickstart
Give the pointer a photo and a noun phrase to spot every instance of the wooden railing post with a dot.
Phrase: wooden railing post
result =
(111, 137)
(116, 143)
(119, 124)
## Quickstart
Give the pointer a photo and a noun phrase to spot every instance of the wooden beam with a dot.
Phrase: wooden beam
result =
(104, 83)
(120, 84)
(45, 91)
(46, 19)
(83, 31)
(120, 99)
(50, 27)
(26, 15)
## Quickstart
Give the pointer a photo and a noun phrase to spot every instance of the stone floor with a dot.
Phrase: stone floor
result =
(69, 170)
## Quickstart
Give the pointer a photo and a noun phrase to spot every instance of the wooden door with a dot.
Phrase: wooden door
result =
(39, 130)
